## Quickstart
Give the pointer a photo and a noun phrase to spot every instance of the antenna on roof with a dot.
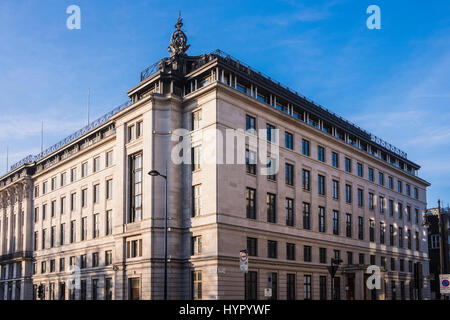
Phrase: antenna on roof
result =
(7, 159)
(42, 136)
(88, 104)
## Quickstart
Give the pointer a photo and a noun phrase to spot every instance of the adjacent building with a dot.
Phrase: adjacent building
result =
(84, 220)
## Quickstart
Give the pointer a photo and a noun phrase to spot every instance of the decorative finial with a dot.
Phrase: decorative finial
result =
(178, 41)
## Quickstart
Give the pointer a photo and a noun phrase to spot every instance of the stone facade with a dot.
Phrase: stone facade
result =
(95, 207)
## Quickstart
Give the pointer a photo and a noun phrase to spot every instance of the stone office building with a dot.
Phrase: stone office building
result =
(84, 220)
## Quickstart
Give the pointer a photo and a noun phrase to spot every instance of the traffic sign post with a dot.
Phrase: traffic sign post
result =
(444, 280)
(243, 261)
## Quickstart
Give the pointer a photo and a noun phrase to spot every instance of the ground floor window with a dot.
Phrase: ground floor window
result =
(337, 288)
(108, 289)
(134, 285)
(323, 287)
(251, 285)
(196, 285)
(307, 287)
(291, 286)
(274, 277)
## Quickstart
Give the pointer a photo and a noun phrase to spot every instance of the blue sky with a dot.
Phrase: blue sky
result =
(393, 82)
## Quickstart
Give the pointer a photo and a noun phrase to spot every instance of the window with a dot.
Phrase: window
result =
(321, 185)
(435, 241)
(400, 210)
(108, 257)
(63, 179)
(382, 232)
(270, 132)
(335, 189)
(360, 170)
(196, 158)
(348, 225)
(306, 216)
(307, 287)
(391, 235)
(335, 222)
(53, 208)
(53, 183)
(96, 232)
(289, 174)
(62, 263)
(391, 207)
(109, 159)
(400, 237)
(134, 248)
(290, 217)
(274, 277)
(96, 164)
(348, 193)
(362, 258)
(109, 189)
(348, 165)
(335, 159)
(399, 186)
(409, 239)
(84, 169)
(372, 260)
(291, 287)
(322, 221)
(44, 232)
(250, 124)
(349, 257)
(271, 208)
(136, 188)
(94, 289)
(271, 249)
(73, 199)
(251, 203)
(108, 223)
(307, 253)
(131, 132)
(360, 197)
(290, 251)
(196, 119)
(96, 193)
(306, 180)
(416, 193)
(35, 240)
(289, 140)
(84, 229)
(305, 147)
(251, 285)
(250, 161)
(271, 169)
(83, 290)
(402, 265)
(84, 198)
(62, 234)
(36, 191)
(360, 228)
(323, 255)
(408, 213)
(371, 230)
(139, 129)
(371, 201)
(73, 174)
(196, 245)
(252, 246)
(63, 205)
(73, 230)
(83, 261)
(408, 190)
(95, 259)
(196, 200)
(391, 183)
(321, 153)
(382, 204)
(44, 187)
(43, 267)
(370, 173)
(416, 215)
(323, 287)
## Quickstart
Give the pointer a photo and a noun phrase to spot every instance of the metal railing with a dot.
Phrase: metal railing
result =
(91, 126)
(149, 71)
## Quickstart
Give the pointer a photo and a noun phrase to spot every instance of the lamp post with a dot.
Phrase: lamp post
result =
(332, 270)
(155, 173)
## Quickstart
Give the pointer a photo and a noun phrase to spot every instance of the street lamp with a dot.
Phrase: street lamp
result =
(155, 173)
(332, 270)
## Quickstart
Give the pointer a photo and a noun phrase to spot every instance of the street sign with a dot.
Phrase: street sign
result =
(243, 261)
(332, 270)
(268, 292)
(444, 280)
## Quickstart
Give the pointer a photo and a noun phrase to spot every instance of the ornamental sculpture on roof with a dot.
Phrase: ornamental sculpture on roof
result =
(178, 41)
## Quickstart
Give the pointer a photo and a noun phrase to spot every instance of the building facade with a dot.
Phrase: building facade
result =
(434, 247)
(84, 220)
